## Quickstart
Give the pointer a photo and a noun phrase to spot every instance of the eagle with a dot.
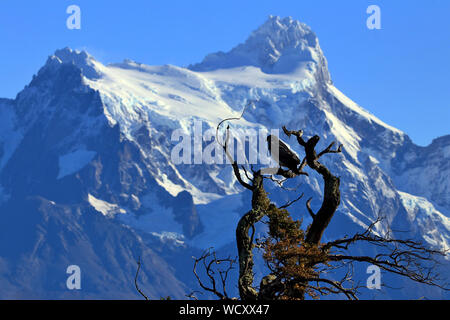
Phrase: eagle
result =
(285, 157)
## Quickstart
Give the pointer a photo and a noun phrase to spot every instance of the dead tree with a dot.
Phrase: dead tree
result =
(298, 262)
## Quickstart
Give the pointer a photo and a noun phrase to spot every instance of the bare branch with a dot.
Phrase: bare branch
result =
(328, 150)
(246, 173)
(212, 267)
(229, 119)
(403, 257)
(350, 293)
(298, 134)
(308, 206)
(224, 146)
(234, 164)
(136, 277)
(289, 203)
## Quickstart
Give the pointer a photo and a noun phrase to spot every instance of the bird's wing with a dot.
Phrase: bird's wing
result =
(285, 157)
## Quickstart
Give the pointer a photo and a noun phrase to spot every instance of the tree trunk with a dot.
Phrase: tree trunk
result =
(245, 241)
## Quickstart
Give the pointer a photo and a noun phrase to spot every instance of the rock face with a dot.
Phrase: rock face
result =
(42, 239)
(425, 171)
(87, 174)
(186, 214)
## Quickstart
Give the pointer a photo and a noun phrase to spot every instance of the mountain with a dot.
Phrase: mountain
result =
(278, 46)
(88, 177)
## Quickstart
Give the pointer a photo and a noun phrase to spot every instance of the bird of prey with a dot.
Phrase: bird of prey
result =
(285, 156)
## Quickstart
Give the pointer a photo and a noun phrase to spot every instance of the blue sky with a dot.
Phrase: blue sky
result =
(399, 73)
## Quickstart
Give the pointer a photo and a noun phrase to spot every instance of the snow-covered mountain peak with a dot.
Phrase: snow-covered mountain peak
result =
(280, 45)
(81, 59)
(284, 32)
